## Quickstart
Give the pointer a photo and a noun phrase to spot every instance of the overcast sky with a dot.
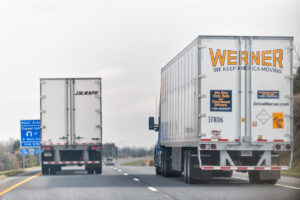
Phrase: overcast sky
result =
(123, 41)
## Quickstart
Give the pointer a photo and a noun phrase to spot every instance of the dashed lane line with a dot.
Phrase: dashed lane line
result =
(152, 189)
(136, 179)
(125, 174)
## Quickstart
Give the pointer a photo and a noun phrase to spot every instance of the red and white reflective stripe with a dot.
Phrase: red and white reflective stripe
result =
(262, 140)
(244, 168)
(218, 140)
(278, 140)
(58, 143)
(70, 162)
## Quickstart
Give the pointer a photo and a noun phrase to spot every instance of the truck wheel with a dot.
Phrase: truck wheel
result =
(98, 170)
(157, 171)
(254, 178)
(52, 170)
(45, 170)
(165, 164)
(90, 171)
(228, 173)
(187, 168)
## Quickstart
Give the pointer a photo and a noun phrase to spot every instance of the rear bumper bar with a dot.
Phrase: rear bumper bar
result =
(70, 162)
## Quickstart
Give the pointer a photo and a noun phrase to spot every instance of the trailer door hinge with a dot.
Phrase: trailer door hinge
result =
(43, 111)
(98, 110)
(43, 96)
(202, 46)
(202, 115)
(289, 77)
(288, 97)
(202, 96)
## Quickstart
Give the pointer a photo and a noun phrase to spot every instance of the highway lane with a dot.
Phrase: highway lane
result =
(124, 182)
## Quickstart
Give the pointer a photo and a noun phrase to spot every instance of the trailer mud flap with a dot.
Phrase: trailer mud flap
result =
(269, 175)
(197, 173)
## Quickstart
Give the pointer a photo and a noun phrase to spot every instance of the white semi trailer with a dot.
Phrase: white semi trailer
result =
(226, 103)
(71, 123)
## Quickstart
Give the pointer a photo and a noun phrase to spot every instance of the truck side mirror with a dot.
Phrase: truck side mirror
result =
(151, 123)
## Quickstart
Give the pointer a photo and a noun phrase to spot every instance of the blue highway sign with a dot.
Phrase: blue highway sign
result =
(30, 133)
(38, 151)
(24, 151)
(31, 151)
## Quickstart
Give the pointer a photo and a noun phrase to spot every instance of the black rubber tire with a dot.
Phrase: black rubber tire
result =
(190, 179)
(227, 173)
(90, 171)
(45, 170)
(254, 178)
(98, 170)
(157, 171)
(52, 170)
(187, 168)
(164, 160)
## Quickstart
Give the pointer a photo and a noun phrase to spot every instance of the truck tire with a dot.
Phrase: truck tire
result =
(157, 171)
(98, 170)
(165, 164)
(187, 168)
(219, 173)
(53, 170)
(45, 170)
(255, 177)
(90, 171)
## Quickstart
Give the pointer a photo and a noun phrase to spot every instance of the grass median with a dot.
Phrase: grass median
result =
(8, 173)
(295, 172)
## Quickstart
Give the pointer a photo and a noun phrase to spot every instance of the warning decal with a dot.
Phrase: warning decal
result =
(278, 121)
(220, 100)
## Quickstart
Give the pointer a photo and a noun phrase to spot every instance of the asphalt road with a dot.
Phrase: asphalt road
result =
(122, 182)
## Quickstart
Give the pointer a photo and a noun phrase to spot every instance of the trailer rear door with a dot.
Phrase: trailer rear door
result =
(271, 86)
(87, 127)
(220, 89)
(54, 112)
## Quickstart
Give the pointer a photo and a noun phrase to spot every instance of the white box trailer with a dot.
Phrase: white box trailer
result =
(71, 123)
(226, 103)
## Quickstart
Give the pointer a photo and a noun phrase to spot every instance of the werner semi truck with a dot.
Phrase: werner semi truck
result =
(71, 123)
(226, 103)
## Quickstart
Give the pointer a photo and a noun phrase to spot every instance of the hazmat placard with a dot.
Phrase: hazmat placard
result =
(278, 122)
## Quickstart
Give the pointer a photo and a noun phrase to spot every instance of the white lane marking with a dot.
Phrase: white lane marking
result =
(280, 185)
(287, 186)
(125, 174)
(136, 179)
(119, 170)
(152, 189)
(115, 168)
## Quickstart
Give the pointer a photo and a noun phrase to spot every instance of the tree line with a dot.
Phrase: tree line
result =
(10, 157)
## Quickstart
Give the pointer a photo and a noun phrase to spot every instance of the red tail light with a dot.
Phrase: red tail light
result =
(94, 148)
(48, 148)
(202, 146)
(288, 147)
(43, 148)
(213, 146)
(98, 147)
(277, 146)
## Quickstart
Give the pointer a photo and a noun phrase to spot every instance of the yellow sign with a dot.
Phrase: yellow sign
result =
(278, 120)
